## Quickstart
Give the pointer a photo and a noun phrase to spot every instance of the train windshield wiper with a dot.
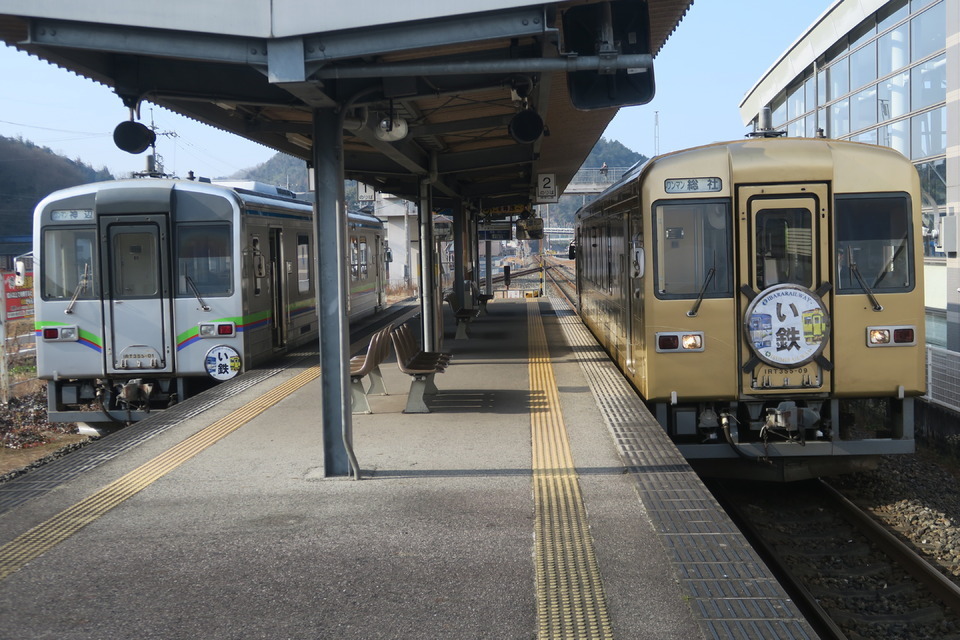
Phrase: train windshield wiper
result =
(893, 258)
(196, 292)
(855, 270)
(80, 288)
(706, 283)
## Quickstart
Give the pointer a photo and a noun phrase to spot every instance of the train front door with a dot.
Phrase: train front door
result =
(137, 293)
(784, 301)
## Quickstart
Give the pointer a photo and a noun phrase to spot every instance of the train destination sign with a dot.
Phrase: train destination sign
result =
(692, 185)
(787, 326)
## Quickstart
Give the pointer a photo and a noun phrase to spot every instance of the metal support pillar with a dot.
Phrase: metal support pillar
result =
(330, 224)
(428, 273)
(458, 256)
(489, 284)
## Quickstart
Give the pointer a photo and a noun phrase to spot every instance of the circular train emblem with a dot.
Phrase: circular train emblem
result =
(222, 362)
(787, 325)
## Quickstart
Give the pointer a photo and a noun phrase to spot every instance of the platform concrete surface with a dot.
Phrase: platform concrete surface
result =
(247, 539)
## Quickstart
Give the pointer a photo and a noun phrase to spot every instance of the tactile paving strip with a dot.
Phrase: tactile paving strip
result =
(570, 597)
(731, 590)
(36, 482)
(47, 535)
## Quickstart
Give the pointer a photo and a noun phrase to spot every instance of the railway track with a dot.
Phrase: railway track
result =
(854, 579)
(560, 278)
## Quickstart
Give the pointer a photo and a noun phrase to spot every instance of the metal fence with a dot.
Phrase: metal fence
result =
(943, 377)
(598, 176)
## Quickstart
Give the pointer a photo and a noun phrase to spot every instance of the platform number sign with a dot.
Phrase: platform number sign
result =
(547, 187)
(365, 192)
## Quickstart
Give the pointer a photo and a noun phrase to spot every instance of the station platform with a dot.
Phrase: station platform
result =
(537, 499)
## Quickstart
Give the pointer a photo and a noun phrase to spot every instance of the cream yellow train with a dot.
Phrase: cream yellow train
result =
(765, 297)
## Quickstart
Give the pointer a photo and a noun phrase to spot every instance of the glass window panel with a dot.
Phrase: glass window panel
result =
(303, 263)
(933, 183)
(916, 5)
(795, 103)
(354, 259)
(693, 249)
(796, 129)
(839, 75)
(928, 83)
(863, 109)
(929, 133)
(893, 51)
(779, 112)
(896, 136)
(822, 88)
(874, 243)
(863, 66)
(869, 137)
(784, 244)
(810, 94)
(891, 14)
(135, 260)
(839, 119)
(69, 264)
(893, 98)
(863, 32)
(810, 126)
(204, 260)
(928, 31)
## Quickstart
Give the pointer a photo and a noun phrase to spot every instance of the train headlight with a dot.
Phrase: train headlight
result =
(61, 334)
(894, 336)
(217, 329)
(679, 341)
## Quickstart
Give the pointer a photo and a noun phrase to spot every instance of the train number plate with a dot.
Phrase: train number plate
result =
(806, 377)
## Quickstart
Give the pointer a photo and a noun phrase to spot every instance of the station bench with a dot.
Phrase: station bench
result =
(369, 365)
(462, 314)
(420, 365)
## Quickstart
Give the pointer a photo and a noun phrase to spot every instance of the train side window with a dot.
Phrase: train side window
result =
(303, 263)
(68, 266)
(784, 241)
(693, 249)
(204, 260)
(364, 258)
(354, 258)
(873, 240)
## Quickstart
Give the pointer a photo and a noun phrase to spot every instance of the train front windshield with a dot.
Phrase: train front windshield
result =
(874, 245)
(69, 264)
(693, 249)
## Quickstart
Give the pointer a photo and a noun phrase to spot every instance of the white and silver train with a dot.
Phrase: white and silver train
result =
(148, 291)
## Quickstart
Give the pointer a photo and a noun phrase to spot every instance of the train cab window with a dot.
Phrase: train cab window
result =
(874, 244)
(204, 260)
(67, 268)
(784, 242)
(693, 249)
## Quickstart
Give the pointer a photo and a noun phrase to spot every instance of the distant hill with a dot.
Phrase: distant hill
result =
(281, 171)
(29, 173)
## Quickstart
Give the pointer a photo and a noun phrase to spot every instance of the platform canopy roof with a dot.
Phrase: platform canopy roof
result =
(429, 89)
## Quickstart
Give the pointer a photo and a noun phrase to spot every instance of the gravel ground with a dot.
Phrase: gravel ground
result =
(918, 496)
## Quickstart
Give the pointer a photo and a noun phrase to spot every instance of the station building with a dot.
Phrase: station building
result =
(884, 72)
